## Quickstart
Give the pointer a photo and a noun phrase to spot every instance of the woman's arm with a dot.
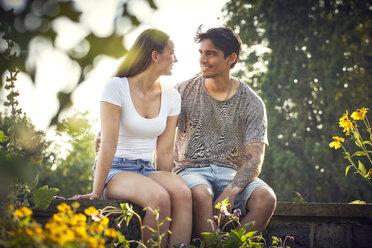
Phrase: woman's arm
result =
(110, 122)
(164, 146)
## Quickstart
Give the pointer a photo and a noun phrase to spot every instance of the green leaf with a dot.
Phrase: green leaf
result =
(3, 137)
(224, 202)
(43, 196)
(34, 182)
(357, 202)
(237, 233)
(362, 168)
(347, 170)
(275, 240)
(367, 143)
(121, 238)
(359, 153)
(358, 143)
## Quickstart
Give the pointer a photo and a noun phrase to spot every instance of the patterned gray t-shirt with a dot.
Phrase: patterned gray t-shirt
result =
(216, 132)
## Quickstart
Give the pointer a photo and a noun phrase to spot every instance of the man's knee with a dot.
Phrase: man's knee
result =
(201, 194)
(262, 197)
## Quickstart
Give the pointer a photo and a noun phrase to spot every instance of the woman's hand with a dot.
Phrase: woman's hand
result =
(91, 196)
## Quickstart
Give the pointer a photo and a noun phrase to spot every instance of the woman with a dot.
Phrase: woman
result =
(139, 116)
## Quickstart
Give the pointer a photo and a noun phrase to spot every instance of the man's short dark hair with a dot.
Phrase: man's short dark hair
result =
(223, 38)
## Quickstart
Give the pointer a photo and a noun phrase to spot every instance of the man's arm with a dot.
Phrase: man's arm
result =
(255, 153)
(249, 171)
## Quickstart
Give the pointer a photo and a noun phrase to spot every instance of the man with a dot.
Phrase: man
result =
(221, 137)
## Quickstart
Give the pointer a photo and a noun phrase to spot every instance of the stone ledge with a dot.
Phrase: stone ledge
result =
(283, 209)
(315, 209)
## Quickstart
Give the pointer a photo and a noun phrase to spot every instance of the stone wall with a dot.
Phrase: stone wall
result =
(318, 225)
(313, 225)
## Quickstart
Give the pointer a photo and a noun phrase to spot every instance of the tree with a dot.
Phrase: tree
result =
(24, 158)
(33, 23)
(318, 66)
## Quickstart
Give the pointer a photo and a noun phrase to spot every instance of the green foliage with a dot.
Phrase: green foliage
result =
(318, 62)
(43, 196)
(66, 228)
(21, 150)
(235, 235)
(351, 129)
(74, 172)
(126, 213)
(45, 13)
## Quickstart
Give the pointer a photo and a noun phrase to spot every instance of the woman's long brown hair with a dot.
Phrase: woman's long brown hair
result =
(140, 55)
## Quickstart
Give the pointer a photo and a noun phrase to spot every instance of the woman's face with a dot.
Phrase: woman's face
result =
(166, 59)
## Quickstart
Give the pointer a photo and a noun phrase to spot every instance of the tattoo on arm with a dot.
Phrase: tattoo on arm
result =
(252, 166)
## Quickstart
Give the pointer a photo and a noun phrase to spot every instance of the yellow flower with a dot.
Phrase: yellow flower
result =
(62, 234)
(346, 123)
(104, 221)
(23, 212)
(29, 231)
(92, 242)
(359, 114)
(96, 227)
(111, 232)
(78, 220)
(336, 143)
(64, 208)
(80, 231)
(91, 210)
(75, 205)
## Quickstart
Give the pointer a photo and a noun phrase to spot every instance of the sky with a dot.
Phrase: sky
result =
(179, 18)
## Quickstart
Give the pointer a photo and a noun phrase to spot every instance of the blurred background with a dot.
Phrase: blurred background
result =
(310, 61)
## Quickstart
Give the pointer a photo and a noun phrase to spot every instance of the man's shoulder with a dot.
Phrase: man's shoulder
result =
(249, 93)
(187, 83)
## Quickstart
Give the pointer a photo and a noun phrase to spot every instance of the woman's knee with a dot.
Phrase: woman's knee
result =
(159, 199)
(182, 192)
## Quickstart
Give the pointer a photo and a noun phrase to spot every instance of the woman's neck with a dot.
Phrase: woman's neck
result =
(145, 81)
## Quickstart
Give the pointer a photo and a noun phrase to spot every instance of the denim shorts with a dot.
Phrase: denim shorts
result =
(138, 166)
(216, 178)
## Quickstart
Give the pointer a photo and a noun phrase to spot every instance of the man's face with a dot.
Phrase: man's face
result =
(212, 60)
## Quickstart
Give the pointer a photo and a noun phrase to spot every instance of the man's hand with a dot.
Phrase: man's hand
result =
(222, 197)
(230, 193)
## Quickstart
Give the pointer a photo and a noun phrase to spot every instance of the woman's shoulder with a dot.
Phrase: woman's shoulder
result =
(117, 82)
(113, 90)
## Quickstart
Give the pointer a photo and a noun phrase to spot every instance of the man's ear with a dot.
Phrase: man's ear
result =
(232, 58)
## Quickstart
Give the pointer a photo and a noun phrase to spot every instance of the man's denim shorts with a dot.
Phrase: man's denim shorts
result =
(139, 166)
(216, 178)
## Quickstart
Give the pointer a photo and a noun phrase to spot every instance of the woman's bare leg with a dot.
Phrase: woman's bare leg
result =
(181, 205)
(144, 192)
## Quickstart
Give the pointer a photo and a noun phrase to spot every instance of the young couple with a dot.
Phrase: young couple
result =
(219, 147)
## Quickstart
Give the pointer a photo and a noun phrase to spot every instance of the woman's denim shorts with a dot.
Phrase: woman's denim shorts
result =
(139, 166)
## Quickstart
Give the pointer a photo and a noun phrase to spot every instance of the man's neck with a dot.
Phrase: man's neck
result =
(221, 88)
(218, 84)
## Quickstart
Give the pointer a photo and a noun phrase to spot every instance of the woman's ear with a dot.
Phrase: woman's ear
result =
(154, 56)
